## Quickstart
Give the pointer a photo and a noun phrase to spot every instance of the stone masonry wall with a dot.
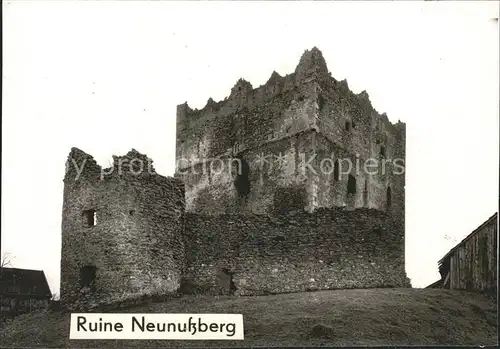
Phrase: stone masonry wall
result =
(308, 104)
(135, 246)
(294, 252)
(212, 189)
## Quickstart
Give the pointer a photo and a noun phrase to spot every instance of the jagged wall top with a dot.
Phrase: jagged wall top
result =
(82, 166)
(311, 67)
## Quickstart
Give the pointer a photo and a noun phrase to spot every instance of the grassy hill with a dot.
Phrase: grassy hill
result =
(343, 317)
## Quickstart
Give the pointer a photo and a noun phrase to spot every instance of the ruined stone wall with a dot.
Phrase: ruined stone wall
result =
(266, 121)
(308, 104)
(379, 181)
(273, 168)
(294, 252)
(247, 118)
(135, 245)
(353, 129)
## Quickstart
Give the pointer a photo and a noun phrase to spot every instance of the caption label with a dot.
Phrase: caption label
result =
(157, 326)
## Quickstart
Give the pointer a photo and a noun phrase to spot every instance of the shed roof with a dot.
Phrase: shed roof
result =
(15, 281)
(488, 221)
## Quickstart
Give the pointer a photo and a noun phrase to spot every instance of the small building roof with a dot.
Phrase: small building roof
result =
(15, 281)
(489, 220)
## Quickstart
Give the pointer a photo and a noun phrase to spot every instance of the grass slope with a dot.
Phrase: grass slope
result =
(337, 318)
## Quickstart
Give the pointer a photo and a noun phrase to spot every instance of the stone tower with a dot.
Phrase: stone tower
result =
(121, 230)
(300, 141)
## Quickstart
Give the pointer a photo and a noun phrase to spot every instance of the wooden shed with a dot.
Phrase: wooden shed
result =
(22, 291)
(472, 264)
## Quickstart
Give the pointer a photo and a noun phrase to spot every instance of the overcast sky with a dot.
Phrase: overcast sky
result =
(107, 76)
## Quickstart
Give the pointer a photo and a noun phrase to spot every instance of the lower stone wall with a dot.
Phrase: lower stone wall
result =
(295, 252)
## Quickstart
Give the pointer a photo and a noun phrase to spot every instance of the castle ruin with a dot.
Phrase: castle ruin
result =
(293, 186)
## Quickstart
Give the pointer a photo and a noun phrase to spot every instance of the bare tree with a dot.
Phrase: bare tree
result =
(6, 260)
